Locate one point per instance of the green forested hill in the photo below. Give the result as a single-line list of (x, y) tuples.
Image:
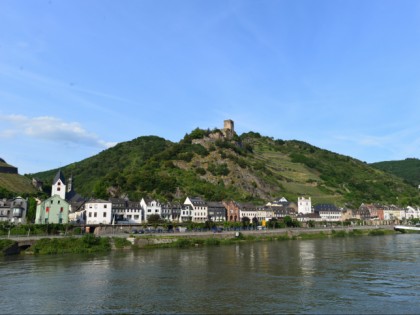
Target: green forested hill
[(408, 169), (249, 167)]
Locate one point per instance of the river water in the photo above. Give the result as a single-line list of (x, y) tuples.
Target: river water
[(358, 275)]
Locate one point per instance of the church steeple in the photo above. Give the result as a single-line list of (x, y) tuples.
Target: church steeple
[(59, 185)]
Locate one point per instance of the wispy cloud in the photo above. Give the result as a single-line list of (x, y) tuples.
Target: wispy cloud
[(64, 90), (51, 129)]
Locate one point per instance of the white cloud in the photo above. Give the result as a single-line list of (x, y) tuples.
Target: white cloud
[(50, 128)]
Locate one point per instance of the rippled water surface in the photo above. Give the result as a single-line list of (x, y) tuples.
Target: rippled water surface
[(359, 275)]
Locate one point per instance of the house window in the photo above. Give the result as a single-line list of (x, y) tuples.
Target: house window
[(47, 209), (61, 209), (95, 214), (58, 188), (105, 206), (104, 214), (90, 214), (136, 217)]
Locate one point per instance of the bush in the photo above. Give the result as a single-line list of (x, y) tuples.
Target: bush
[(4, 244), (200, 171), (212, 241), (377, 232), (219, 169), (183, 243), (339, 233), (120, 242), (89, 243)]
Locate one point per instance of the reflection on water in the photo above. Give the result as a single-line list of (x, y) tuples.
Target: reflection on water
[(345, 275)]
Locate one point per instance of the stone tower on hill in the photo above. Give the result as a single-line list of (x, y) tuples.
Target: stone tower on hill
[(229, 128)]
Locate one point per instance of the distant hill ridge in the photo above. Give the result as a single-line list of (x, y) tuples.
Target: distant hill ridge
[(408, 169), (219, 165)]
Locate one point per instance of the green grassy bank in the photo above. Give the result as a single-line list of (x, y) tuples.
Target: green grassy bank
[(90, 243)]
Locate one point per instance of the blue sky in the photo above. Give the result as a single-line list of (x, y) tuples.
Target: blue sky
[(76, 77)]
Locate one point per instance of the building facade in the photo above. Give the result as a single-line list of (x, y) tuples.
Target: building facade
[(52, 210), (13, 210), (99, 211)]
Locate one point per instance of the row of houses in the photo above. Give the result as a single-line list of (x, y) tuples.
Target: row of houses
[(66, 206), (198, 210)]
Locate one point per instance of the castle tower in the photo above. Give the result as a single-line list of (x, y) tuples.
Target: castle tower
[(229, 129), (229, 125)]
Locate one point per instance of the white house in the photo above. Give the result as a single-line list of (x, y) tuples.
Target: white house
[(98, 212), (186, 213), (247, 210), (412, 213), (150, 206), (199, 212), (134, 212), (328, 212)]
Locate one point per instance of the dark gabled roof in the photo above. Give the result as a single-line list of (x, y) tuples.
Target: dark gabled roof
[(325, 207), (197, 201), (133, 204), (215, 204), (171, 205), (60, 176), (309, 215), (73, 196), (247, 206)]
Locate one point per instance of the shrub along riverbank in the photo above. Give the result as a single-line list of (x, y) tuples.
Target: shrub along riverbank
[(90, 243)]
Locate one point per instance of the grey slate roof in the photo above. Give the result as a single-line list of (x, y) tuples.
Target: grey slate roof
[(325, 207), (60, 176)]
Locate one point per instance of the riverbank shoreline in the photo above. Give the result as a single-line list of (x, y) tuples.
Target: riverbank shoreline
[(90, 243), (202, 239)]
